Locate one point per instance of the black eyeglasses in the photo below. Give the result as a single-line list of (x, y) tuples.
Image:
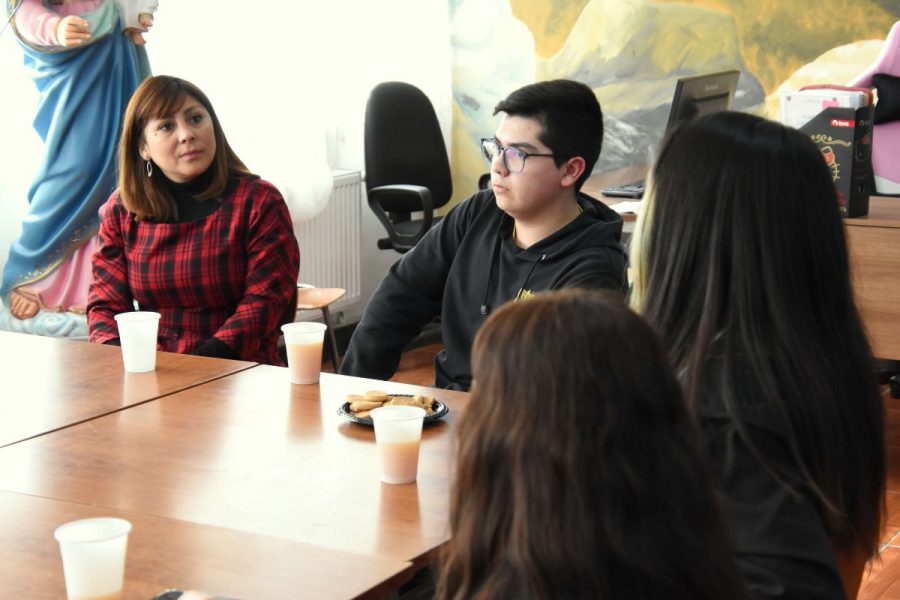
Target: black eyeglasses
[(513, 158)]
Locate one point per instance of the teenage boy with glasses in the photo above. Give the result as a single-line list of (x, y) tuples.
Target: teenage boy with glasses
[(532, 231)]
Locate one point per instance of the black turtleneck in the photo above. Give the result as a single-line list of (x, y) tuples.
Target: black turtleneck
[(187, 207)]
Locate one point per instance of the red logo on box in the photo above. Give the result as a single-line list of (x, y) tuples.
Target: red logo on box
[(841, 123)]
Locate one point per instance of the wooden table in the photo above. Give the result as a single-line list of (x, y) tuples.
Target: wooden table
[(50, 383), (163, 554), (252, 453), (874, 242)]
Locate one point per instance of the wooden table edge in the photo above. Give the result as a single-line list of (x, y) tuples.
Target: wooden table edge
[(249, 366)]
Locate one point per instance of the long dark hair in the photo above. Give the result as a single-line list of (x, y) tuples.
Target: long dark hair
[(159, 96), (579, 473), (742, 268)]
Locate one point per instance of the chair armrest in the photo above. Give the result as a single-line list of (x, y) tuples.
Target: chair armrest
[(424, 196)]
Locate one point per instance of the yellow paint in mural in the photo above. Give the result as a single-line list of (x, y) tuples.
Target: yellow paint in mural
[(778, 37), (468, 163), (790, 43), (550, 21)]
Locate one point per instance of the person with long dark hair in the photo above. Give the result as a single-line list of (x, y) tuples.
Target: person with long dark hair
[(579, 473), (740, 264), (192, 234)]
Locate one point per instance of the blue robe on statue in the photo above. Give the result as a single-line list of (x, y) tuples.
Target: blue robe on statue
[(83, 95)]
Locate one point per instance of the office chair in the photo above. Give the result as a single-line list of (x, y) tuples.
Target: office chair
[(407, 169)]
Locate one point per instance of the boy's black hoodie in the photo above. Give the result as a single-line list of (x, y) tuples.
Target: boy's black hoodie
[(465, 268)]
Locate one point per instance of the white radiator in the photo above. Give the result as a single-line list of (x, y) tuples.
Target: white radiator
[(329, 242)]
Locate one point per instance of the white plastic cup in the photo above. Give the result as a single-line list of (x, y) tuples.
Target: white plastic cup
[(303, 342), (398, 433), (137, 335), (93, 556)]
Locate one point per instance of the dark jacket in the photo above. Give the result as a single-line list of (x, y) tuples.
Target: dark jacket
[(781, 545), (465, 268)]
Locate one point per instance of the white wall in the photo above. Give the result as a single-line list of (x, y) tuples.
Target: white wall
[(289, 80)]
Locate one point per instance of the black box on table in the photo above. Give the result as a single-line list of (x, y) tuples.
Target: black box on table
[(844, 135)]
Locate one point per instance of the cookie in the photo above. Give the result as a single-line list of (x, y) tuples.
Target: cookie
[(363, 405)]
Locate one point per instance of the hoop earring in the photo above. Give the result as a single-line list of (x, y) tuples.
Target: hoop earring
[(149, 169)]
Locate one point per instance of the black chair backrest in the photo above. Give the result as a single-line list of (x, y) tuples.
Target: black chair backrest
[(404, 144)]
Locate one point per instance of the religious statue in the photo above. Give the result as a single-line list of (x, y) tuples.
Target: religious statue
[(86, 57)]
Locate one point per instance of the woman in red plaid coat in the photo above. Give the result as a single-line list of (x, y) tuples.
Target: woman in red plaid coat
[(192, 234)]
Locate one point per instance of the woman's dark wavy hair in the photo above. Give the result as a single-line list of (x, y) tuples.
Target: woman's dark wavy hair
[(148, 197), (743, 271), (579, 473)]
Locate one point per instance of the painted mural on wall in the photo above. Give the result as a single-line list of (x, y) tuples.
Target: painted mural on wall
[(631, 52), (86, 59)]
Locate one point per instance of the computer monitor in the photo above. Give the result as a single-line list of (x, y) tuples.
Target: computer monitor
[(694, 97), (702, 95)]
